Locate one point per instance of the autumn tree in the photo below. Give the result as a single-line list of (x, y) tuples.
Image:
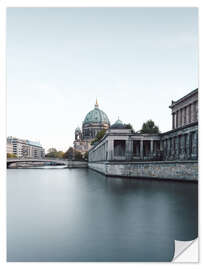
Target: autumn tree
[(53, 153), (69, 154)]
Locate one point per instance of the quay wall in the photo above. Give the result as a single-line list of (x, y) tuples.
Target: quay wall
[(165, 170), (77, 164)]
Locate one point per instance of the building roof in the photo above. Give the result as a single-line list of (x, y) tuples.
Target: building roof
[(33, 143), (118, 125), (173, 103), (96, 116)]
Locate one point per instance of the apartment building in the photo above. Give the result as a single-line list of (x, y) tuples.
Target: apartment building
[(24, 148)]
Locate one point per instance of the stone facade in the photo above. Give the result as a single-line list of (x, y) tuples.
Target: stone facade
[(177, 145), (123, 144), (185, 110), (164, 170), (180, 143)]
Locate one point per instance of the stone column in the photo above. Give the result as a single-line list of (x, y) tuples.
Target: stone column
[(141, 149), (172, 147), (173, 120), (195, 111), (177, 119), (183, 146), (129, 149), (192, 112), (181, 154), (184, 115), (189, 145), (187, 115), (169, 147), (180, 118), (177, 147), (110, 150), (196, 145), (187, 155), (166, 148), (151, 148)]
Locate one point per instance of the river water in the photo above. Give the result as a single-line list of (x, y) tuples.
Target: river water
[(81, 215)]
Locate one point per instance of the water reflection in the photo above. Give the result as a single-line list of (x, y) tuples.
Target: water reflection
[(80, 215)]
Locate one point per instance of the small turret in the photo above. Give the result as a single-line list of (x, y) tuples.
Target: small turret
[(78, 134)]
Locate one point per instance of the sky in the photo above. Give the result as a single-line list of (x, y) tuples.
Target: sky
[(135, 61)]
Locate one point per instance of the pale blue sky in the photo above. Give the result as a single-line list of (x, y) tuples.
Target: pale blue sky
[(134, 60)]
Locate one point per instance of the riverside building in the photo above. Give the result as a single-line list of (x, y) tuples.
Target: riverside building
[(176, 150), (24, 148)]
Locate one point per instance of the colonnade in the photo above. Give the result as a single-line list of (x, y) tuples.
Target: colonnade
[(185, 115), (181, 146), (128, 149)]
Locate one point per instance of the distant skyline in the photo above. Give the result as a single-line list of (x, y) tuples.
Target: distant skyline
[(59, 60)]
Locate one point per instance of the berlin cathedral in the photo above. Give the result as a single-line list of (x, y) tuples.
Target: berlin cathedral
[(95, 121)]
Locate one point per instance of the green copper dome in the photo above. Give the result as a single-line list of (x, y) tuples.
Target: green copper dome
[(118, 124), (96, 116)]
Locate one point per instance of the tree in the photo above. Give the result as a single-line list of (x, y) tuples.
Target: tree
[(86, 156), (72, 154), (60, 154), (9, 155), (69, 154), (150, 127), (99, 136), (128, 126), (52, 150), (53, 153), (78, 155)]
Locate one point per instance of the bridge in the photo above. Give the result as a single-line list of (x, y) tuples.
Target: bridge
[(51, 161), (32, 160)]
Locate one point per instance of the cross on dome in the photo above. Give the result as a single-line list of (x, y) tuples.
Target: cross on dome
[(96, 104)]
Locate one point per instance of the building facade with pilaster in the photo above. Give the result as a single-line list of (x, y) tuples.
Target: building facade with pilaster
[(181, 143)]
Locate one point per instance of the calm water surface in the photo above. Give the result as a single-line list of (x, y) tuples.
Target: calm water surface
[(80, 215)]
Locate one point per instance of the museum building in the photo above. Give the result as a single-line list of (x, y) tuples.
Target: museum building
[(180, 143)]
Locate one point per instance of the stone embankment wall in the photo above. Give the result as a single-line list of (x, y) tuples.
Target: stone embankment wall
[(173, 170), (77, 164)]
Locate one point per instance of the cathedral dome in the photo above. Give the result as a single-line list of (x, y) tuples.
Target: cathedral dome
[(96, 116)]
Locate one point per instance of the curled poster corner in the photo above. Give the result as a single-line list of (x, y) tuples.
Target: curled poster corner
[(186, 251)]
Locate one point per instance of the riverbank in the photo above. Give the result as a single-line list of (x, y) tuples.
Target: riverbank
[(165, 170)]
